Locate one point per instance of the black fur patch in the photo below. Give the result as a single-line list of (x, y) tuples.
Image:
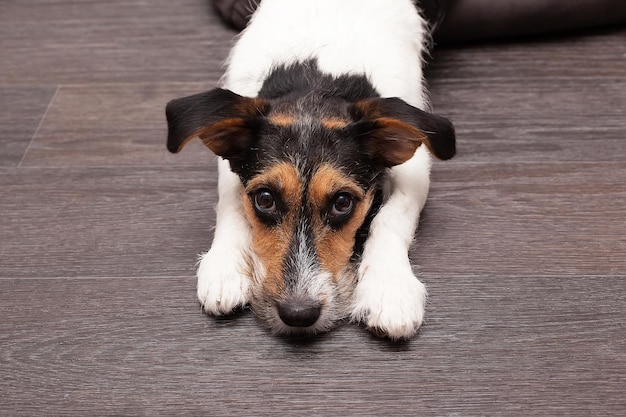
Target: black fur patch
[(304, 91), (298, 79)]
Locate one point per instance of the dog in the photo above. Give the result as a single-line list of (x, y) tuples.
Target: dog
[(324, 136)]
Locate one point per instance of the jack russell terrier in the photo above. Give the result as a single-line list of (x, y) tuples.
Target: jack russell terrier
[(325, 141)]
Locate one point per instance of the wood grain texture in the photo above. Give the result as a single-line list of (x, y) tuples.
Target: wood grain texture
[(521, 244), (113, 124), (529, 218), (105, 222), (55, 42), (21, 112), (491, 346), (532, 120)]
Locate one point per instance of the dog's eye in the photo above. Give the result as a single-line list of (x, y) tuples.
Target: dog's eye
[(264, 201), (343, 204)]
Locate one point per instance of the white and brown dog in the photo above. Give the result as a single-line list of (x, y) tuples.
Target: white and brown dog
[(318, 124)]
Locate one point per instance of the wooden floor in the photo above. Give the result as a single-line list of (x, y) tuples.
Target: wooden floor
[(522, 244)]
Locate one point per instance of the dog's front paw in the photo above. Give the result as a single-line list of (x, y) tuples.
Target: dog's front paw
[(389, 301), (222, 283)]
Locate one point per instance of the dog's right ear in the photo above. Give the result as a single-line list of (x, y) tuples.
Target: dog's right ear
[(223, 120)]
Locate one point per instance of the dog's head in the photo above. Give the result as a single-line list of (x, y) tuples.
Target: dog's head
[(311, 169)]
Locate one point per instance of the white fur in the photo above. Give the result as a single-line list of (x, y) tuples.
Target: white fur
[(380, 38), (223, 281), (388, 297), (384, 40)]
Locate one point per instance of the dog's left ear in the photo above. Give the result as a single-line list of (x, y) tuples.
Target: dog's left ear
[(223, 120), (391, 130)]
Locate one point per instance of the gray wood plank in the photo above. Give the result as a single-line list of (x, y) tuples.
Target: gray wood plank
[(105, 222), (570, 55), (56, 42), (492, 345), (529, 120), (21, 112), (112, 125), (524, 218)]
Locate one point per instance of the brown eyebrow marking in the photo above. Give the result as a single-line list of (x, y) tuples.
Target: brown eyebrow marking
[(285, 119), (327, 181), (334, 123), (281, 119)]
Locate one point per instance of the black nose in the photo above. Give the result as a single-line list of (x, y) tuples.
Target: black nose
[(299, 312)]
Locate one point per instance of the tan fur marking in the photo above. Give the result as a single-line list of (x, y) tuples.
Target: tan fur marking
[(185, 142), (395, 141), (395, 124), (271, 243), (335, 247), (250, 107), (369, 108), (215, 137), (334, 123), (282, 119)]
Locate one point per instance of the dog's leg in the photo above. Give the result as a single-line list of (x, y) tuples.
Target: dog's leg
[(389, 299), (223, 281)]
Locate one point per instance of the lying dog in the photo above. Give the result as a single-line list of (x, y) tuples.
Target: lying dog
[(322, 175)]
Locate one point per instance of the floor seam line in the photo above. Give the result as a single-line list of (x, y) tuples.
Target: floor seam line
[(41, 122)]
